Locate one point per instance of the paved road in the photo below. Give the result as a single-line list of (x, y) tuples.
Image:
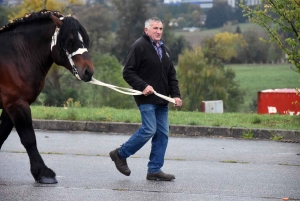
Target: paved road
[(206, 169)]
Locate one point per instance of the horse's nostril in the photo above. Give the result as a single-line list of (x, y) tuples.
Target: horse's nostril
[(88, 74)]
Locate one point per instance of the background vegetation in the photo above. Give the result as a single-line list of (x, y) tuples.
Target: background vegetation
[(280, 19)]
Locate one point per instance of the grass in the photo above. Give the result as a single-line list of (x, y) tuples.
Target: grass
[(230, 120), (248, 134), (254, 78), (276, 137)]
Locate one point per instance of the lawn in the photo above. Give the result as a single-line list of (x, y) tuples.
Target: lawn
[(106, 114), (254, 78)]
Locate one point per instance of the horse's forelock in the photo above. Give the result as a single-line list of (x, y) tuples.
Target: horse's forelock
[(86, 39)]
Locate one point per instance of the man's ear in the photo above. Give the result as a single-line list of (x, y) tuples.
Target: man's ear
[(57, 21), (145, 30)]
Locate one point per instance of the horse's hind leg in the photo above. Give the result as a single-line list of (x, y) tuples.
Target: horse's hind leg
[(21, 117), (5, 126)]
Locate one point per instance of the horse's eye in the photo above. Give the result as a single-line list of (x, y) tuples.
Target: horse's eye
[(70, 43)]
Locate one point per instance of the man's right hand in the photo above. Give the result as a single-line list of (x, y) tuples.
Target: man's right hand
[(148, 90)]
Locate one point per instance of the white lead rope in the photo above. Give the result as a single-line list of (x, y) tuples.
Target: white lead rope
[(128, 91)]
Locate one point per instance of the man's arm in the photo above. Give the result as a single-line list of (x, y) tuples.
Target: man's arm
[(131, 67)]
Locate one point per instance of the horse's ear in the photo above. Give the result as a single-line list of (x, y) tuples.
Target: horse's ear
[(56, 20)]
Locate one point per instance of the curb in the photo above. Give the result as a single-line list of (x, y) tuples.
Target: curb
[(175, 130)]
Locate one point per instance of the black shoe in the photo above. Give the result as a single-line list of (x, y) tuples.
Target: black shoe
[(161, 176), (120, 163)]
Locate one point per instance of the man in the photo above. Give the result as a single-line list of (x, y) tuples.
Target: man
[(147, 68)]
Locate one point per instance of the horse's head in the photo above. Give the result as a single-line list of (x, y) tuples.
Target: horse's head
[(69, 47)]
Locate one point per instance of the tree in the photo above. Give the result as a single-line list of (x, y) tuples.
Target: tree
[(132, 16), (176, 44), (228, 45), (107, 70), (256, 50), (216, 53), (238, 29), (29, 6), (97, 20), (238, 11), (185, 14), (281, 19), (223, 47), (218, 15), (200, 79), (3, 16), (60, 85)]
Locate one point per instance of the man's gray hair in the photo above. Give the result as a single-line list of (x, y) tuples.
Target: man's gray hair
[(152, 19)]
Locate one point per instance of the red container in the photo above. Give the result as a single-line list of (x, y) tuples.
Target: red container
[(280, 101)]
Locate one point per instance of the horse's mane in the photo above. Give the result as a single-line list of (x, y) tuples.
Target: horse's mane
[(35, 16), (70, 26)]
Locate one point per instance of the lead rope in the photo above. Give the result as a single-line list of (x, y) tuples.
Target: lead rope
[(128, 91)]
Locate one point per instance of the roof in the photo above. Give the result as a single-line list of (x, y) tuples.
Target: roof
[(285, 90)]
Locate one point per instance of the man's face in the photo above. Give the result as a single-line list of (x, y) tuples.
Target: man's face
[(155, 31)]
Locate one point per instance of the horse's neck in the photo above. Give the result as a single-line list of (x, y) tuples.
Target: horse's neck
[(35, 44)]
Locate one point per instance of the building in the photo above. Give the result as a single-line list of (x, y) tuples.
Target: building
[(201, 3), (248, 2), (10, 2), (209, 3)]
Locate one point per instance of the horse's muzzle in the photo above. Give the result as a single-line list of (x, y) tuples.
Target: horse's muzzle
[(87, 75)]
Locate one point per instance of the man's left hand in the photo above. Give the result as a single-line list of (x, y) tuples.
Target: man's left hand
[(178, 102)]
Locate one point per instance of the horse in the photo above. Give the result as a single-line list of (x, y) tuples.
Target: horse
[(29, 47)]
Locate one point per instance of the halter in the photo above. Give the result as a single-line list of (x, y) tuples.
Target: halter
[(79, 51)]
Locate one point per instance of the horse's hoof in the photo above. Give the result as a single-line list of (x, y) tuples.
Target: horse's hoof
[(47, 180)]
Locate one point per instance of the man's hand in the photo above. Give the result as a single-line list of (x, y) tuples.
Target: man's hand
[(148, 90), (178, 102)]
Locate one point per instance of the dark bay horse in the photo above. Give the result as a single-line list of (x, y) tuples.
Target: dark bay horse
[(28, 48)]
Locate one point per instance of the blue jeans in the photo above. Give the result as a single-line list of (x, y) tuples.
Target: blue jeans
[(155, 125)]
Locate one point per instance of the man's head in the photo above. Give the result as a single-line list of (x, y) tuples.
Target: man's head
[(154, 29)]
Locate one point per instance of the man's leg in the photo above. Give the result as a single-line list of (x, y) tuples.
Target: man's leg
[(159, 146), (145, 132), (137, 140)]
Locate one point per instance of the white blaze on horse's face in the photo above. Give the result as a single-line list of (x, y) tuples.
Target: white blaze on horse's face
[(78, 51)]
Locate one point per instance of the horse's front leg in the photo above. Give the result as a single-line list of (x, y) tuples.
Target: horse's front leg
[(6, 126), (21, 117)]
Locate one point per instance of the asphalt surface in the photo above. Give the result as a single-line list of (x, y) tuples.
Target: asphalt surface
[(213, 169)]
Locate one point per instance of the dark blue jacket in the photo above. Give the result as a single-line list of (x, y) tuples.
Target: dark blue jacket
[(143, 67)]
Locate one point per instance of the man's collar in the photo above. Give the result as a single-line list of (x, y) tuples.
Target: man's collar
[(159, 42)]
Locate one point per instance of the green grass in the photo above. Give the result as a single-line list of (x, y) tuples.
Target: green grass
[(175, 117), (248, 134), (230, 120), (254, 78)]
